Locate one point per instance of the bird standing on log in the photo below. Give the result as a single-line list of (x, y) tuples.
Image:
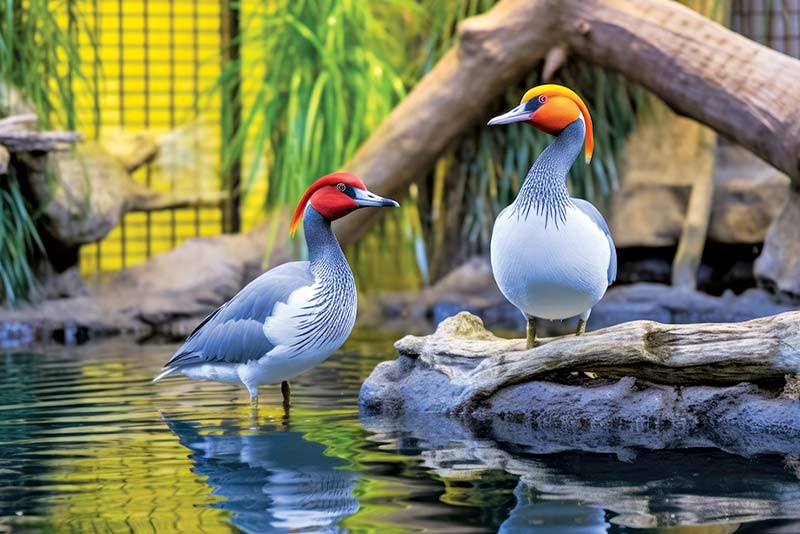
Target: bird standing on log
[(292, 317), (552, 255)]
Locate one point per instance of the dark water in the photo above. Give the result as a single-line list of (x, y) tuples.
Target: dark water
[(88, 444)]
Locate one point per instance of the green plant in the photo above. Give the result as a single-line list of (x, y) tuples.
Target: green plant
[(39, 60), (19, 241), (323, 74), (40, 56)]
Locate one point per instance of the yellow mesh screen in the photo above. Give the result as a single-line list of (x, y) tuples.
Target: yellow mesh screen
[(159, 63)]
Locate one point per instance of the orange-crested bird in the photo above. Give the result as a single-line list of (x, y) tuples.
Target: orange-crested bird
[(552, 255)]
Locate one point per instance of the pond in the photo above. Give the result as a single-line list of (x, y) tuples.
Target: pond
[(88, 444)]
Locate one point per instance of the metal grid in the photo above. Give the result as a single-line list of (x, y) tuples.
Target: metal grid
[(159, 62), (775, 23)]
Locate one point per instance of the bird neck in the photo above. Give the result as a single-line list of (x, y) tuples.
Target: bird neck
[(324, 252), (545, 187)]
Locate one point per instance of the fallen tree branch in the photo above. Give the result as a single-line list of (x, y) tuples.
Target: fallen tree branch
[(157, 202), (18, 134), (743, 90)]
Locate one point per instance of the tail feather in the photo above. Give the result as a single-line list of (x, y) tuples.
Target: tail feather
[(165, 373)]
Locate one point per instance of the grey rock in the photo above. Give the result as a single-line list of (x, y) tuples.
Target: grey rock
[(472, 288), (177, 287)]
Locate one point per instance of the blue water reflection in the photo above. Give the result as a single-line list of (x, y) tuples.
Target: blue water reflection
[(272, 480)]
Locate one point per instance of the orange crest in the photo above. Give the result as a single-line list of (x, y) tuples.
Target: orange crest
[(556, 113)]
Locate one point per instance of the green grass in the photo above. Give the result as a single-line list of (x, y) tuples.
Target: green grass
[(19, 241)]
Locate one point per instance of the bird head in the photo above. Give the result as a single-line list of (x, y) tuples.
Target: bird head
[(335, 195), (551, 108)]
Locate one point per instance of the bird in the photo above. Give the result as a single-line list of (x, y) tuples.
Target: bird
[(291, 317), (552, 255)]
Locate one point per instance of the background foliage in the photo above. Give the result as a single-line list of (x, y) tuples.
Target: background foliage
[(331, 70)]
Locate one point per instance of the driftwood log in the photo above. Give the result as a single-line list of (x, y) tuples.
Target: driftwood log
[(641, 379)]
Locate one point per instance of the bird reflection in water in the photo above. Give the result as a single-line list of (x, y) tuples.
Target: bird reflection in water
[(272, 480), (531, 515)]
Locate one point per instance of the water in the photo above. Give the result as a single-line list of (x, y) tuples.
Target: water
[(88, 444)]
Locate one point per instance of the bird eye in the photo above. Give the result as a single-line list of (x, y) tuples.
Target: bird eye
[(542, 99), (341, 187)]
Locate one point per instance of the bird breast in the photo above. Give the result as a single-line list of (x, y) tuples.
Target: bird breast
[(547, 268)]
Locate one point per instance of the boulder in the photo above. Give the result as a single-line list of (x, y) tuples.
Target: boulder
[(82, 193), (648, 208), (166, 295), (658, 166), (748, 196), (778, 266), (639, 384)]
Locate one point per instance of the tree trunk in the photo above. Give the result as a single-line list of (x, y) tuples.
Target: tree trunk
[(741, 89), (697, 218)]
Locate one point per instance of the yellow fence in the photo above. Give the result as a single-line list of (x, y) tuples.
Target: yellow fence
[(159, 63)]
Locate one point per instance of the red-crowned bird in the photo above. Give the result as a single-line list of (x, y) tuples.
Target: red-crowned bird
[(292, 317), (552, 255)]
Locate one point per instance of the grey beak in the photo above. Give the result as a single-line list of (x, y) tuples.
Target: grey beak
[(368, 199), (518, 114)]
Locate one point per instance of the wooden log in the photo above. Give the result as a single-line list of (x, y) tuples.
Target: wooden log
[(152, 201), (741, 89), (34, 141), (712, 353)]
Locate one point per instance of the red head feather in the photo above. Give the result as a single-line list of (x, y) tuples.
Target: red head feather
[(326, 183)]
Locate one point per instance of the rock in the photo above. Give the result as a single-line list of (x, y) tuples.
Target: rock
[(132, 149), (778, 266), (647, 209), (673, 384), (748, 196), (178, 287), (82, 193), (657, 166), (472, 288)]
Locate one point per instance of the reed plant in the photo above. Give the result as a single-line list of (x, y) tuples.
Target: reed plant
[(40, 61)]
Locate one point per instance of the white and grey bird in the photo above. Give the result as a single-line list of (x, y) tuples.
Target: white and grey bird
[(292, 317), (552, 255)]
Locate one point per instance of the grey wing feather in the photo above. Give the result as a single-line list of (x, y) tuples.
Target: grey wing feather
[(596, 217), (234, 333)]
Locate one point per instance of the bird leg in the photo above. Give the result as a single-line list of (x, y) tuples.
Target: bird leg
[(286, 392), (582, 322), (530, 331), (253, 409), (581, 327)]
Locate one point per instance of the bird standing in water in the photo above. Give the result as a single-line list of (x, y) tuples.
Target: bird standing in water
[(292, 317), (552, 255)]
